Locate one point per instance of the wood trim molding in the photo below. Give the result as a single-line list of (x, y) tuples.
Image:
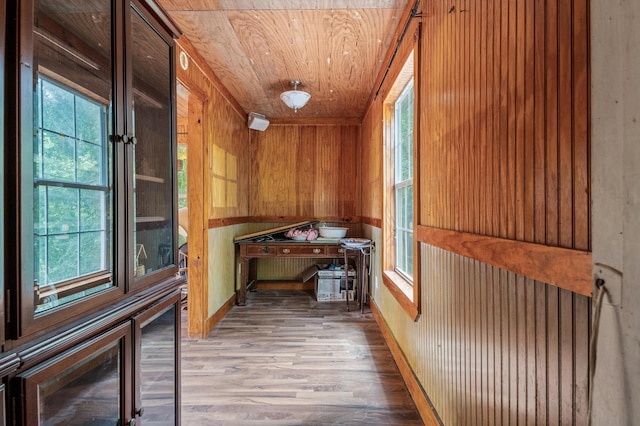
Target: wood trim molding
[(565, 268), (310, 121), (213, 320), (184, 44), (228, 221), (394, 287), (372, 221), (389, 55), (425, 408)]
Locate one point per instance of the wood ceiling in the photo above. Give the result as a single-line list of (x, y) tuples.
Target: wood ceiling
[(256, 47)]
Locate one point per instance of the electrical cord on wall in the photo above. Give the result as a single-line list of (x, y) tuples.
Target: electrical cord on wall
[(600, 291)]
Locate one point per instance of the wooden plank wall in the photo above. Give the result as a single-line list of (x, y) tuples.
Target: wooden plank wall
[(372, 163), (504, 147), (504, 154), (306, 171), (503, 349), (217, 150)]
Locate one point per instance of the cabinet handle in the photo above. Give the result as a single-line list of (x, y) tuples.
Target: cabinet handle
[(316, 250), (340, 250), (131, 422), (265, 249), (286, 251), (124, 139)]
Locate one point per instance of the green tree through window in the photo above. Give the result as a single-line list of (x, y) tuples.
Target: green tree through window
[(70, 184)]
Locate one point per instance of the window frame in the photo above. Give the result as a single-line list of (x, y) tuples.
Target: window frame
[(400, 183), (404, 289)]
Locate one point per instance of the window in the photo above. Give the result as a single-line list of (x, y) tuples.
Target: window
[(403, 184), (70, 192), (399, 248)]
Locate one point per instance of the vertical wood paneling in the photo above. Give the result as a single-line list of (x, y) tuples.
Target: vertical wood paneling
[(551, 118), (371, 164), (504, 120), (494, 335), (504, 152), (581, 165), (565, 139), (305, 170)]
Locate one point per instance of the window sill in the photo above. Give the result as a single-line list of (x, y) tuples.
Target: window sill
[(402, 291)]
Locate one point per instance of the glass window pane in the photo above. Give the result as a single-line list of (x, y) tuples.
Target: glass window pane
[(409, 211), (89, 163), (62, 258), (89, 121), (91, 252), (92, 210), (62, 210), (58, 156), (58, 110)]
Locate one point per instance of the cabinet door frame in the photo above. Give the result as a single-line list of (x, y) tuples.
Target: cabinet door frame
[(139, 321), (3, 11), (160, 27), (23, 320), (28, 383)]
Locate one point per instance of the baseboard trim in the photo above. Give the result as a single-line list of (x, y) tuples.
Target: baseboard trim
[(284, 285), (425, 408), (213, 320)]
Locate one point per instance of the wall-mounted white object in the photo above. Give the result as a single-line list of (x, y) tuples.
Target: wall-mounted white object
[(257, 121)]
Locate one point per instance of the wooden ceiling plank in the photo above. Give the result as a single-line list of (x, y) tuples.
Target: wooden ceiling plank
[(255, 47)]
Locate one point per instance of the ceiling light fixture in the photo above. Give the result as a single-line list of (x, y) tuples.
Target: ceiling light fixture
[(295, 99)]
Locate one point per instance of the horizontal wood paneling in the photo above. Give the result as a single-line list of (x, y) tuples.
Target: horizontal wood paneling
[(305, 171), (504, 149), (565, 268)]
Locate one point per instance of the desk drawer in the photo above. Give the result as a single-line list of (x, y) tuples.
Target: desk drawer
[(335, 251), (258, 250), (301, 250)]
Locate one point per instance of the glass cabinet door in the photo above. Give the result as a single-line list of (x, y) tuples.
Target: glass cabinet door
[(82, 386), (157, 354), (152, 126), (67, 155)]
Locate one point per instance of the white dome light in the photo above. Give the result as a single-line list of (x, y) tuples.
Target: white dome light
[(295, 99)]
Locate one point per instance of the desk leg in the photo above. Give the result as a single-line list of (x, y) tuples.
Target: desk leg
[(346, 278), (361, 280), (241, 294)]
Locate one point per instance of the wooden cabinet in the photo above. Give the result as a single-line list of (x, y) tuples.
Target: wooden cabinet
[(128, 372), (90, 211), (96, 133)]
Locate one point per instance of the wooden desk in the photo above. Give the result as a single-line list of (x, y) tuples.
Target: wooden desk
[(248, 252)]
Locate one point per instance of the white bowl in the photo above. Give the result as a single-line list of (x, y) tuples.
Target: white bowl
[(332, 232)]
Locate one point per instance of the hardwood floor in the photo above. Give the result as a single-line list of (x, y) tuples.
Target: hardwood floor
[(285, 359)]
